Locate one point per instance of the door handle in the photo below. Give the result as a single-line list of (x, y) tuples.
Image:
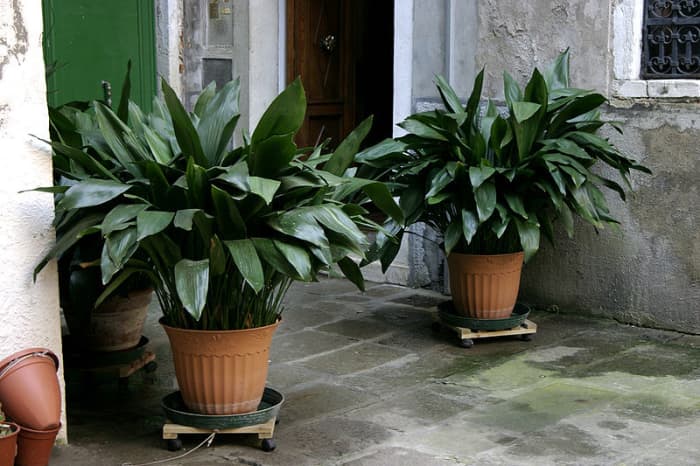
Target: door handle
[(328, 43), (107, 93)]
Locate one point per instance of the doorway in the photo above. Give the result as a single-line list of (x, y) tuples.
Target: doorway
[(343, 50)]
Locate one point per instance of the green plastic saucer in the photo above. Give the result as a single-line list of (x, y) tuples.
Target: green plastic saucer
[(448, 316), (177, 412)]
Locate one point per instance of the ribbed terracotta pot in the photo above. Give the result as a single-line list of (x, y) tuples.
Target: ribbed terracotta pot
[(485, 286), (29, 390), (8, 446), (118, 323), (34, 446), (221, 372)]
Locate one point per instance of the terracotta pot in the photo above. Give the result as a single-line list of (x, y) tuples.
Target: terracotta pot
[(221, 372), (34, 446), (118, 323), (29, 390), (485, 286), (8, 446)]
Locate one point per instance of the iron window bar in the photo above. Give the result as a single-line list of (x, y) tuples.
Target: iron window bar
[(671, 39)]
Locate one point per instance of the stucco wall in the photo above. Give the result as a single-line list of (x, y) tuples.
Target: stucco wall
[(30, 310), (648, 273)]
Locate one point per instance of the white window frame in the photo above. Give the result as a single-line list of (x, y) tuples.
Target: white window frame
[(628, 16)]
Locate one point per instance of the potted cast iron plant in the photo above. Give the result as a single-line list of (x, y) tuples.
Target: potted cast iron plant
[(8, 440), (493, 180), (220, 231), (118, 322)]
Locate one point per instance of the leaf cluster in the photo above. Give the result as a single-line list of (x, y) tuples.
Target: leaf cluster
[(219, 230), (493, 180)]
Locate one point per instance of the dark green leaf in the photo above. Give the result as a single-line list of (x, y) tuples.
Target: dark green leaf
[(270, 156), (67, 239), (237, 176), (283, 117), (151, 222), (511, 89), (119, 217), (414, 126), (352, 272), (438, 182), (479, 174), (452, 235), (227, 216), (557, 74), (270, 254), (121, 245), (297, 257), (470, 225), (382, 198), (523, 111), (344, 155), (123, 109), (448, 95), (204, 98), (185, 132), (263, 187), (301, 224), (247, 262), (192, 285), (91, 192), (529, 232), (218, 120), (485, 197), (515, 202)]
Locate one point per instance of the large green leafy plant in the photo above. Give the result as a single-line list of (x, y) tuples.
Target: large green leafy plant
[(493, 180), (74, 129), (221, 232)]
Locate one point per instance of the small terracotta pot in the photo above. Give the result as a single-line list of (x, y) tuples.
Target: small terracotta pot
[(29, 390), (485, 286), (221, 372), (118, 323), (34, 446), (8, 446)]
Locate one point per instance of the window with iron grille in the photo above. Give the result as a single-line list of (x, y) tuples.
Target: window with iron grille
[(671, 39)]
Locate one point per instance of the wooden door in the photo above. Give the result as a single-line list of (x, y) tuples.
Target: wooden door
[(320, 50), (91, 41)]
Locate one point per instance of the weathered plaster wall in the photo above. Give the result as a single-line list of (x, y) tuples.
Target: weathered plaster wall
[(516, 35), (648, 273), (30, 311)]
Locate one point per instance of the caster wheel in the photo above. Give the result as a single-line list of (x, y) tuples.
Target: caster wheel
[(466, 343), (150, 367), (268, 444), (436, 327), (174, 444), (526, 337), (277, 421)]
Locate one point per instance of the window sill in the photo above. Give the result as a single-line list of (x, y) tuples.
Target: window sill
[(656, 89)]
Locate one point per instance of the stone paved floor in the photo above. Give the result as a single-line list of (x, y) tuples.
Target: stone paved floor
[(368, 383)]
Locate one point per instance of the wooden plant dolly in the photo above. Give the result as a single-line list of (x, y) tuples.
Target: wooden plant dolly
[(469, 329), (265, 432), (120, 364), (179, 420)]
